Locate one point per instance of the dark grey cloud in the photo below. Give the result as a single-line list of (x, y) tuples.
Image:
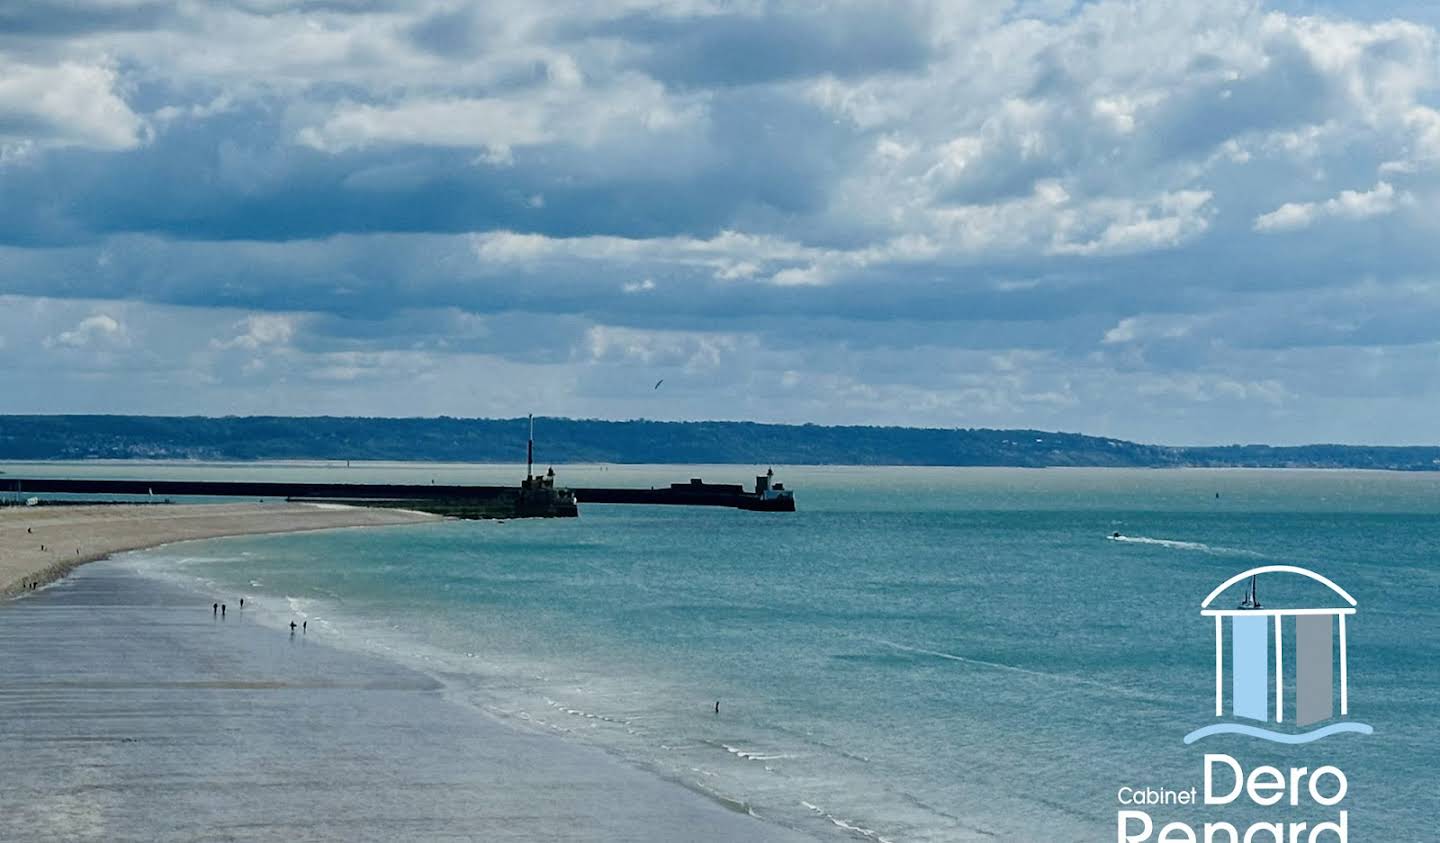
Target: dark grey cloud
[(1289, 91), (453, 33), (777, 44), (238, 175), (22, 19)]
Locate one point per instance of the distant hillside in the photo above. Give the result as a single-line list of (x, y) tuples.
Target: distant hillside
[(588, 440)]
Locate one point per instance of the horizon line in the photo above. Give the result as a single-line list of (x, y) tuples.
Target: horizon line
[(759, 423)]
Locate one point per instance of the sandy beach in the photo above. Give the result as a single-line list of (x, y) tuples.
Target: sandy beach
[(43, 543), (129, 711)]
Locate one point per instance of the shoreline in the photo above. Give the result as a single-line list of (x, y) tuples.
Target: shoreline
[(263, 611), (40, 544), (107, 533), (152, 719)]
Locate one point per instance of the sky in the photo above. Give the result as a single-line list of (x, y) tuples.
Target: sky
[(1175, 222)]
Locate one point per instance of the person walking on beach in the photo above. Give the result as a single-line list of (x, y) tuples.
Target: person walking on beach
[(242, 602), (304, 627), (222, 610), (717, 706), (292, 629), (214, 608)]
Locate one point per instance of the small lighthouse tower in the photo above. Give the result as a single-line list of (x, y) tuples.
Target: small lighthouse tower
[(538, 495)]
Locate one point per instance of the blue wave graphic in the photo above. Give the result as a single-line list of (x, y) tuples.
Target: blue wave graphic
[(1277, 737)]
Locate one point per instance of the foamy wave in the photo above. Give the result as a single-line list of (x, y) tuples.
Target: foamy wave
[(590, 715), (1184, 545), (868, 833), (752, 755), (299, 605)]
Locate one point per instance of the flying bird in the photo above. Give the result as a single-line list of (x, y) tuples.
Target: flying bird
[(657, 383)]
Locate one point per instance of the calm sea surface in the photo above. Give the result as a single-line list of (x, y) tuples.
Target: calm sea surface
[(917, 654)]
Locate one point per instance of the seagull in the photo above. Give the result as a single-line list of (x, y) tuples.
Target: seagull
[(657, 383)]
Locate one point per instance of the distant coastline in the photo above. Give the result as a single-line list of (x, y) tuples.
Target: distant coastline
[(445, 439)]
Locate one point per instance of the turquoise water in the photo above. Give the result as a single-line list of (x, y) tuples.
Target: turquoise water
[(917, 654)]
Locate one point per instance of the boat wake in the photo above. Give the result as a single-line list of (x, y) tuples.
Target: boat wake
[(1277, 737), (1184, 545), (1038, 674)]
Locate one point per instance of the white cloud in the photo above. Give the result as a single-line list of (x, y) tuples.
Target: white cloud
[(94, 331), (727, 256), (739, 269), (500, 125), (352, 366), (510, 247), (1131, 227), (1124, 331), (492, 124), (1051, 222), (64, 104), (260, 331), (1350, 205), (1133, 328), (689, 351), (1208, 388), (806, 276)]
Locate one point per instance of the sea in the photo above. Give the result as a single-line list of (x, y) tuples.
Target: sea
[(916, 654)]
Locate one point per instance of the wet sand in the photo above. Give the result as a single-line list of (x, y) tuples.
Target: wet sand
[(74, 535), (129, 712)]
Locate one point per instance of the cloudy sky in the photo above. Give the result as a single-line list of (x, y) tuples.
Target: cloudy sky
[(1180, 222)]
